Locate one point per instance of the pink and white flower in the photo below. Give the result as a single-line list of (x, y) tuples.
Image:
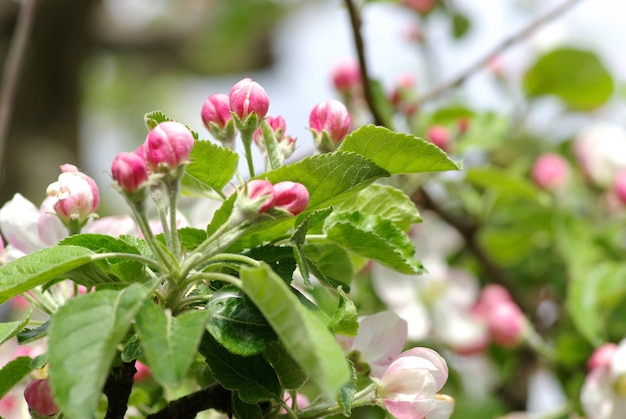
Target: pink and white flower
[(409, 387), (76, 195), (603, 394)]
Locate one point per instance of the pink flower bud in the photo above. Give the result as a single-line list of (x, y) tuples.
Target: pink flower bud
[(403, 96), (129, 171), (168, 144), (248, 97), (463, 124), (550, 171), (38, 395), (602, 356), (291, 196), (216, 110), (490, 296), (409, 386), (619, 186), (421, 6), (439, 136), (347, 76), (261, 194), (143, 372), (278, 125), (506, 323), (76, 195), (329, 119), (287, 145)]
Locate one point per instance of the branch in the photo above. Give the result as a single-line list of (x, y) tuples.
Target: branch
[(355, 22), (12, 68), (499, 49), (117, 389), (212, 397)]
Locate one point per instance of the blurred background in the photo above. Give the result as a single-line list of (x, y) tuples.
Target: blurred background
[(94, 67)]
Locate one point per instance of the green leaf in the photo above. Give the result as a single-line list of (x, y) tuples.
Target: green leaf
[(10, 329), (82, 340), (243, 410), (374, 238), (37, 268), (191, 237), (591, 297), (348, 391), (304, 336), (329, 177), (573, 75), (117, 269), (460, 25), (154, 118), (298, 238), (397, 153), (279, 258), (385, 201), (291, 376), (330, 263), (237, 324), (346, 318), (13, 372), (169, 343), (252, 377), (503, 183), (30, 335), (212, 166)]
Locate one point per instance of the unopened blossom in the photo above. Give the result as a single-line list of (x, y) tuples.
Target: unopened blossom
[(506, 324), (278, 125), (421, 6), (287, 145), (217, 118), (38, 395), (247, 97), (409, 386), (346, 77), (168, 145), (291, 196), (27, 228), (142, 372), (76, 195), (129, 171), (602, 356), (603, 395), (601, 152), (330, 123), (302, 401), (439, 136), (550, 171), (403, 96)]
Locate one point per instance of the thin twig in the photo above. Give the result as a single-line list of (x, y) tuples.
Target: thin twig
[(187, 407), (355, 22), (12, 68), (499, 49)]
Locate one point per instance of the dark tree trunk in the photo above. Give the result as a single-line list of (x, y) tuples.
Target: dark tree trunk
[(44, 126)]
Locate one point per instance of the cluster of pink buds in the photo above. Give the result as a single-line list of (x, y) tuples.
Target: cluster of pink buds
[(167, 147), (346, 78), (550, 171), (505, 321), (286, 143), (403, 97), (329, 121), (38, 395), (76, 194)]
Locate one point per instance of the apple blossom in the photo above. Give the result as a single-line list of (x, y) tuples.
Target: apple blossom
[(169, 145), (423, 7), (619, 186), (76, 195), (291, 196), (403, 97), (247, 97), (129, 171), (603, 395), (409, 386), (38, 395), (602, 356), (506, 324), (550, 171), (601, 152), (330, 123), (278, 125)]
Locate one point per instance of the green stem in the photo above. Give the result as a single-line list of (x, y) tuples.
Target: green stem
[(274, 156), (172, 189), (159, 200), (144, 226), (365, 397), (132, 256)]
